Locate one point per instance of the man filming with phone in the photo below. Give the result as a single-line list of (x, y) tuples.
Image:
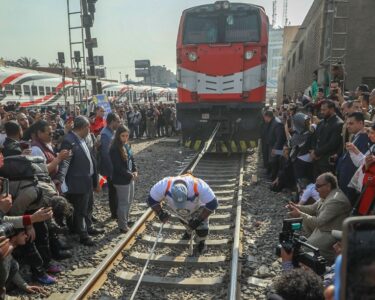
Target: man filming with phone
[(320, 218)]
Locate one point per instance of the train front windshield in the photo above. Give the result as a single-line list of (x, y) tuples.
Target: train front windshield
[(222, 27)]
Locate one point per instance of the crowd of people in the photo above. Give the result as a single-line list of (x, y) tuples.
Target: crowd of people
[(52, 161), (320, 148)]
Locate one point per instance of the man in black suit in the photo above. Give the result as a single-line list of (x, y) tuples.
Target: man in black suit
[(274, 141), (359, 142), (327, 140), (79, 175), (12, 144)]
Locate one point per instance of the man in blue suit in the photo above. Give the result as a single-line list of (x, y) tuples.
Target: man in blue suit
[(106, 136), (78, 175), (345, 167)]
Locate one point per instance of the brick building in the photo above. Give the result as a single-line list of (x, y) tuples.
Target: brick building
[(332, 32)]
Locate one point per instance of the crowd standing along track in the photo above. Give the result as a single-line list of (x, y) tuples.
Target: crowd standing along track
[(172, 269)]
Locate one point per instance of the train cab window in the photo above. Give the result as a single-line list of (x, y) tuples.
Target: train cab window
[(9, 89), (54, 90), (26, 90), (18, 89), (48, 90), (34, 90), (222, 27), (242, 27), (41, 90)]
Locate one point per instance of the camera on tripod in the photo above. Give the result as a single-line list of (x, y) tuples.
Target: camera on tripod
[(290, 240)]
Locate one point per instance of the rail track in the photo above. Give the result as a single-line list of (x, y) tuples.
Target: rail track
[(172, 266)]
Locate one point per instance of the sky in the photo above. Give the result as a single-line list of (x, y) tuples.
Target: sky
[(125, 30)]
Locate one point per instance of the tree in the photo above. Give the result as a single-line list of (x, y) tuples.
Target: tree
[(26, 62), (54, 65)]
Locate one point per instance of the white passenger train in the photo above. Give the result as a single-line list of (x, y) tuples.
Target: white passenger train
[(34, 88)]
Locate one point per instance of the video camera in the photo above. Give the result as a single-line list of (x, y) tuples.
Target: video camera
[(291, 240)]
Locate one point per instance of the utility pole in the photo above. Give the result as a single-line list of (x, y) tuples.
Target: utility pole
[(274, 13), (87, 20), (285, 13)]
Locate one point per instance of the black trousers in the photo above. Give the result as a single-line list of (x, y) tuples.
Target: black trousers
[(80, 204), (112, 197)]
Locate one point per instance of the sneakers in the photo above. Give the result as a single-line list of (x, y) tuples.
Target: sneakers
[(46, 279), (186, 236), (200, 248), (54, 269)]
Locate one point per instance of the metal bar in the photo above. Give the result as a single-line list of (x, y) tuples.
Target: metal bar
[(75, 27), (147, 262), (236, 241)]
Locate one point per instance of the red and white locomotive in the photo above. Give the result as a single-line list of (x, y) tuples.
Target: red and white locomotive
[(222, 70)]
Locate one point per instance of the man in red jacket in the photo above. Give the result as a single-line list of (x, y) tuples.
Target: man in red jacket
[(99, 122)]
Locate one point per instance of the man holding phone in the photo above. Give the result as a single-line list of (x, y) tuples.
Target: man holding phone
[(320, 218)]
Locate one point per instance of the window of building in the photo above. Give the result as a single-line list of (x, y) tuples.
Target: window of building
[(288, 65), (300, 52), (294, 60), (26, 90), (41, 91)]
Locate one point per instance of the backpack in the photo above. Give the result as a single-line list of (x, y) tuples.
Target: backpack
[(20, 167)]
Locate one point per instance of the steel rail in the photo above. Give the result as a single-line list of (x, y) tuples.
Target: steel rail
[(236, 241), (97, 278)]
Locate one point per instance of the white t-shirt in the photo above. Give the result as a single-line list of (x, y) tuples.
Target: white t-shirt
[(205, 196)]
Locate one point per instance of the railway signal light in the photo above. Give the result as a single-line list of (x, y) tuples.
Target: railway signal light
[(77, 56), (61, 57)]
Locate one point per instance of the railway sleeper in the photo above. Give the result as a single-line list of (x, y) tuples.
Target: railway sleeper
[(224, 228), (166, 260), (172, 282), (174, 242)]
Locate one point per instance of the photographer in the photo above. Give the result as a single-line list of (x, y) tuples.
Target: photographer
[(320, 218), (298, 284)]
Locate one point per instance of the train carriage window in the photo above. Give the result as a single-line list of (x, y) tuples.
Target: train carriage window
[(41, 91), (34, 90), (9, 89), (26, 90), (54, 90), (48, 90), (18, 89)]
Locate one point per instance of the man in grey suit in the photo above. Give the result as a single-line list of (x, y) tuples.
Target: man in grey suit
[(79, 176), (320, 218)]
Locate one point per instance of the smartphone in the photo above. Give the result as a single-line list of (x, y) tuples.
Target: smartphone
[(357, 269), (4, 186)]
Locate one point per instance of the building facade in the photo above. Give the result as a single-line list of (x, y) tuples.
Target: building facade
[(275, 47), (333, 32)]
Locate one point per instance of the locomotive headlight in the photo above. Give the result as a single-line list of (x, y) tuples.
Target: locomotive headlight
[(192, 56), (249, 55), (226, 5)]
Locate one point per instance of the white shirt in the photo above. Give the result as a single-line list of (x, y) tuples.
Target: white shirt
[(205, 196)]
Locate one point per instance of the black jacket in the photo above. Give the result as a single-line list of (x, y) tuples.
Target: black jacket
[(275, 134), (11, 147), (121, 174), (328, 137)]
